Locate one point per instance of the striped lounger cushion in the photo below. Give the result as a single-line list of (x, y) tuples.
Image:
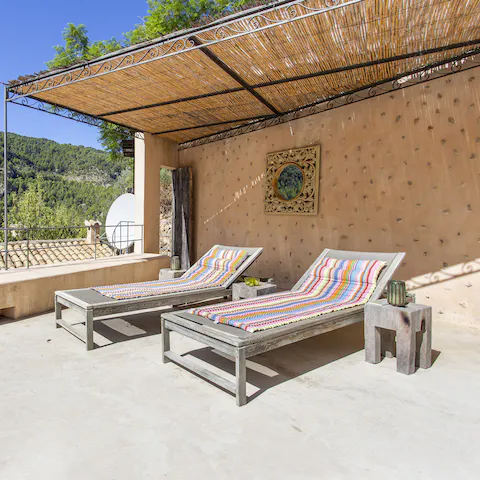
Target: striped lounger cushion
[(212, 270), (332, 285)]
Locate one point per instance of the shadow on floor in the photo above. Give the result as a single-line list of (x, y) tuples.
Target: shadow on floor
[(122, 329), (293, 361), (275, 367), (130, 327)]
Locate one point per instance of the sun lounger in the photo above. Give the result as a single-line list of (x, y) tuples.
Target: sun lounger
[(201, 282), (241, 344)]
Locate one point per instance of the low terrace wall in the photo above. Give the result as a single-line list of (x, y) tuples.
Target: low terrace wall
[(30, 292)]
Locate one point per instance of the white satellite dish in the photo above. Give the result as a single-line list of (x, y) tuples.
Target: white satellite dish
[(120, 222)]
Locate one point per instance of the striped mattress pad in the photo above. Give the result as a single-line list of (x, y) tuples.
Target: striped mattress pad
[(215, 268), (332, 285)]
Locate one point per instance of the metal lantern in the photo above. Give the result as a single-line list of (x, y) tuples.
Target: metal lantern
[(396, 293), (175, 263)]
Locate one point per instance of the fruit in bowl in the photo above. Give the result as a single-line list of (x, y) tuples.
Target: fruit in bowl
[(252, 282)]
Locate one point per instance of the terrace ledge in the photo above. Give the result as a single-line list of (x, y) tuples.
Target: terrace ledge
[(30, 292)]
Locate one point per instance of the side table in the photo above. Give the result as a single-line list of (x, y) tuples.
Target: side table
[(242, 290), (412, 326), (169, 274)]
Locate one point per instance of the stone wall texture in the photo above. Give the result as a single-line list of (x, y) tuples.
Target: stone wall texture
[(399, 172)]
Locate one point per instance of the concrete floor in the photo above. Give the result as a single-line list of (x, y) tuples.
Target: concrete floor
[(318, 410)]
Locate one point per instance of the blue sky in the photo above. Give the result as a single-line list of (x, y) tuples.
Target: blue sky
[(26, 40)]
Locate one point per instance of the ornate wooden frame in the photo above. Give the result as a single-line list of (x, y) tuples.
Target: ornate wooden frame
[(306, 202)]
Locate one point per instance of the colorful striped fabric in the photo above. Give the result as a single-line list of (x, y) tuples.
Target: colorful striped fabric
[(212, 270), (332, 285)]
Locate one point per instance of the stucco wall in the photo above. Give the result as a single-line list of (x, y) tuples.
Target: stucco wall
[(399, 172), (151, 154)]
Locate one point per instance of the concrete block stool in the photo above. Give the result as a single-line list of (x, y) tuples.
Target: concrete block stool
[(412, 326), (169, 274), (242, 290)]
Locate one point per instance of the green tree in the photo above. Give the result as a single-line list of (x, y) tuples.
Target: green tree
[(163, 17), (111, 136), (75, 49), (78, 47), (29, 209), (167, 16)]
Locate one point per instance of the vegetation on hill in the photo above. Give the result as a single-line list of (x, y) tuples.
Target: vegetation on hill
[(52, 184)]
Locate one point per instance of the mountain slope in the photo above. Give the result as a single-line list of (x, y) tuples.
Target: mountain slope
[(83, 180)]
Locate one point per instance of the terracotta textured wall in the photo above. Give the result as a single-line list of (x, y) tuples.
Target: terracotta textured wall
[(399, 172)]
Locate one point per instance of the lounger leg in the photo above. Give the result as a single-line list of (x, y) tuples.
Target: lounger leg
[(165, 340), (58, 313), (241, 377), (89, 327)]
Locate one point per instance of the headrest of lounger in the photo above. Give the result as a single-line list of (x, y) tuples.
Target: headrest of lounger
[(351, 271), (223, 259)]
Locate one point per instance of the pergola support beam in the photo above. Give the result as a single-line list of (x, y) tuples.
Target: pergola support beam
[(233, 74), (5, 176)]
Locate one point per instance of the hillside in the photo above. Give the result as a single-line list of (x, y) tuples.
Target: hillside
[(53, 184)]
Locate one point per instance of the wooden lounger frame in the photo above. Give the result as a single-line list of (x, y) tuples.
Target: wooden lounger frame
[(91, 311), (241, 345)]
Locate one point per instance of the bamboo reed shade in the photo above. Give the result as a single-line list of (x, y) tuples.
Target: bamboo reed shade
[(168, 79), (220, 108), (287, 96), (254, 75)]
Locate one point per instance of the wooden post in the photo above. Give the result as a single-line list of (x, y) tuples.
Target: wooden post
[(241, 377), (89, 327), (165, 340), (58, 312)]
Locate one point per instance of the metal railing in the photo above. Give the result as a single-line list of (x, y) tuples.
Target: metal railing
[(26, 247)]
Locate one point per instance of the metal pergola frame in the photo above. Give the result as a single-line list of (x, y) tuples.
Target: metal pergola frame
[(255, 20), (200, 38)]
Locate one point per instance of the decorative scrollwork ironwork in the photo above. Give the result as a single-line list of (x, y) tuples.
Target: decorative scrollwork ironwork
[(396, 84), (67, 113), (254, 24), (291, 12), (456, 67), (331, 3)]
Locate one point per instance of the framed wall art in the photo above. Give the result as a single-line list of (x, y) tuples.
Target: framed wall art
[(292, 181)]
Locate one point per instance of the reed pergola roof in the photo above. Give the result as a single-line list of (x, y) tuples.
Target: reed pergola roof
[(259, 64)]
